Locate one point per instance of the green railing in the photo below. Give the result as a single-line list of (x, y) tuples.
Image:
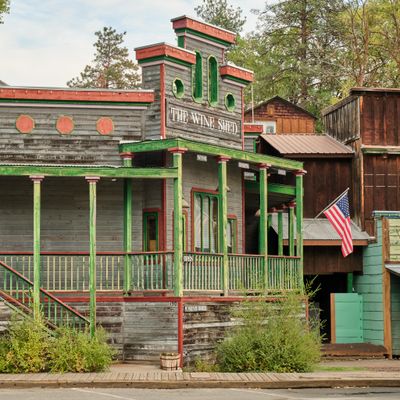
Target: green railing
[(245, 271), (284, 273), (17, 290), (202, 271), (152, 270)]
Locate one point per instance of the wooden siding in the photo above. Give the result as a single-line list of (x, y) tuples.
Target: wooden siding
[(45, 144), (381, 186), (329, 259), (288, 118), (369, 284), (380, 119), (343, 123), (394, 240)]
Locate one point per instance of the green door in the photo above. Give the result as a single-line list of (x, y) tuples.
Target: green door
[(346, 318)]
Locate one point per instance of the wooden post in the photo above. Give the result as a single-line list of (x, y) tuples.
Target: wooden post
[(299, 219), (127, 160), (350, 282), (37, 181), (92, 252), (292, 205), (223, 219), (178, 228), (280, 231), (263, 234)]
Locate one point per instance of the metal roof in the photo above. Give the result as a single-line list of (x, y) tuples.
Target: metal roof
[(393, 268), (307, 145), (319, 229)]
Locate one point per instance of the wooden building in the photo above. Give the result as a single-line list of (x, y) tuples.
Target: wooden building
[(127, 208)]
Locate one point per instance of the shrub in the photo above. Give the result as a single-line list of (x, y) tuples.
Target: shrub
[(271, 337)]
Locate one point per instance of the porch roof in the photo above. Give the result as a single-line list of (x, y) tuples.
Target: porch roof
[(209, 149)]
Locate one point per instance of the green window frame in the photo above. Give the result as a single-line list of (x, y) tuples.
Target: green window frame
[(197, 78), (205, 222), (178, 88), (151, 232), (231, 235), (213, 87), (230, 102)]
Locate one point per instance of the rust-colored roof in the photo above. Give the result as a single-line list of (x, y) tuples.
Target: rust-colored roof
[(307, 145)]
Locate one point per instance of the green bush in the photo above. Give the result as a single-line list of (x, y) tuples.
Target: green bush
[(30, 347), (272, 336)]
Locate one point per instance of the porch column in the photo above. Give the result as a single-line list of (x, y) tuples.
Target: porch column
[(280, 231), (127, 161), (223, 219), (92, 180), (299, 216), (263, 234), (37, 181), (291, 228), (178, 228)]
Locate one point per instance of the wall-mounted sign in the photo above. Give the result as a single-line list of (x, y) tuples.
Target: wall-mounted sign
[(394, 239), (202, 121)]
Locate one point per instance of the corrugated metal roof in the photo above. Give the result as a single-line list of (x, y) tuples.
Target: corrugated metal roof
[(308, 145), (318, 229), (60, 165)]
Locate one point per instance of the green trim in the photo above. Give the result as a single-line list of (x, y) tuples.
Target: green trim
[(92, 256), (212, 85), (165, 58), (102, 103), (280, 233), (128, 197), (299, 223), (178, 88), (234, 79), (263, 228), (181, 42), (291, 231), (82, 171), (197, 78), (233, 223), (230, 102), (350, 282), (147, 214), (380, 150), (209, 149), (203, 35), (178, 248), (278, 188), (36, 248)]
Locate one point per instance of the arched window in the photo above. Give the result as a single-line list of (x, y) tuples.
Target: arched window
[(198, 78), (212, 81)]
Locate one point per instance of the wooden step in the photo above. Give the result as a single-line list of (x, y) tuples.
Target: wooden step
[(353, 350)]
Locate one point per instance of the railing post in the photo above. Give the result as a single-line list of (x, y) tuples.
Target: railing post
[(299, 219), (223, 219), (178, 228), (280, 231), (291, 228), (263, 234), (37, 181), (92, 180), (127, 161)]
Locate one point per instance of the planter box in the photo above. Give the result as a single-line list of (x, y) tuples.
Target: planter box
[(169, 361)]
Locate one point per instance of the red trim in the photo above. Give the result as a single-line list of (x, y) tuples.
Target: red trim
[(127, 155), (81, 253), (164, 207), (236, 72), (165, 50), (180, 331), (162, 101), (76, 95), (223, 158), (252, 128), (300, 172), (180, 150), (242, 122), (264, 166), (202, 27), (243, 215)]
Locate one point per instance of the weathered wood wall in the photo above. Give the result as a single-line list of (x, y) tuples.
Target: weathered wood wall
[(84, 145), (288, 118)]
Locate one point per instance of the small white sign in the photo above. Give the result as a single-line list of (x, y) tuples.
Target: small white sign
[(193, 308), (250, 176), (243, 165), (282, 172), (201, 157)]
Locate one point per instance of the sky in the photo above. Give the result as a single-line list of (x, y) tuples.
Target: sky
[(47, 42)]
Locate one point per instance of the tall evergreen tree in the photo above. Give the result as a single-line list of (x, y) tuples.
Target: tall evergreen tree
[(4, 8), (220, 13), (111, 67)]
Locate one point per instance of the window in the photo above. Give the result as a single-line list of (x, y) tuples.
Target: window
[(212, 81), (269, 126), (150, 231), (205, 222), (231, 235), (230, 102), (178, 88), (198, 78)]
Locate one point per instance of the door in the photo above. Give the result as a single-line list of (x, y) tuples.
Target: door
[(346, 318)]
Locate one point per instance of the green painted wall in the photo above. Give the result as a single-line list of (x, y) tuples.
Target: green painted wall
[(395, 313), (370, 286)]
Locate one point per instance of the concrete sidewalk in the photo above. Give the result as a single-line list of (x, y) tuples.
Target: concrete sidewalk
[(377, 373)]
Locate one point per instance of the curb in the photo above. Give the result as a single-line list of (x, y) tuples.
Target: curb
[(198, 384)]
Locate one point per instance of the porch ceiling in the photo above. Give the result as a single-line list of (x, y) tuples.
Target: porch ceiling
[(208, 149)]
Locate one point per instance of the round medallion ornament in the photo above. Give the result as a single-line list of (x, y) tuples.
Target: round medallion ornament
[(105, 126), (25, 124), (65, 125)]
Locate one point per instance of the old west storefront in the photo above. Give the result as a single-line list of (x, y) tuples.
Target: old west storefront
[(129, 206)]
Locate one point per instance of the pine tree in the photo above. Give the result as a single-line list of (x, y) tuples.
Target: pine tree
[(4, 8), (111, 67)]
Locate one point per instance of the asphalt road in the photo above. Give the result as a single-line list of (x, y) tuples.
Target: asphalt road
[(199, 394)]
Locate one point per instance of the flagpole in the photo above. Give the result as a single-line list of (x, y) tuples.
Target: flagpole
[(333, 202)]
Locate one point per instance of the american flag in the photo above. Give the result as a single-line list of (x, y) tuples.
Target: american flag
[(339, 216)]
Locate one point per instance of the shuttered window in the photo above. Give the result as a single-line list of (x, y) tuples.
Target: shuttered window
[(212, 81)]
